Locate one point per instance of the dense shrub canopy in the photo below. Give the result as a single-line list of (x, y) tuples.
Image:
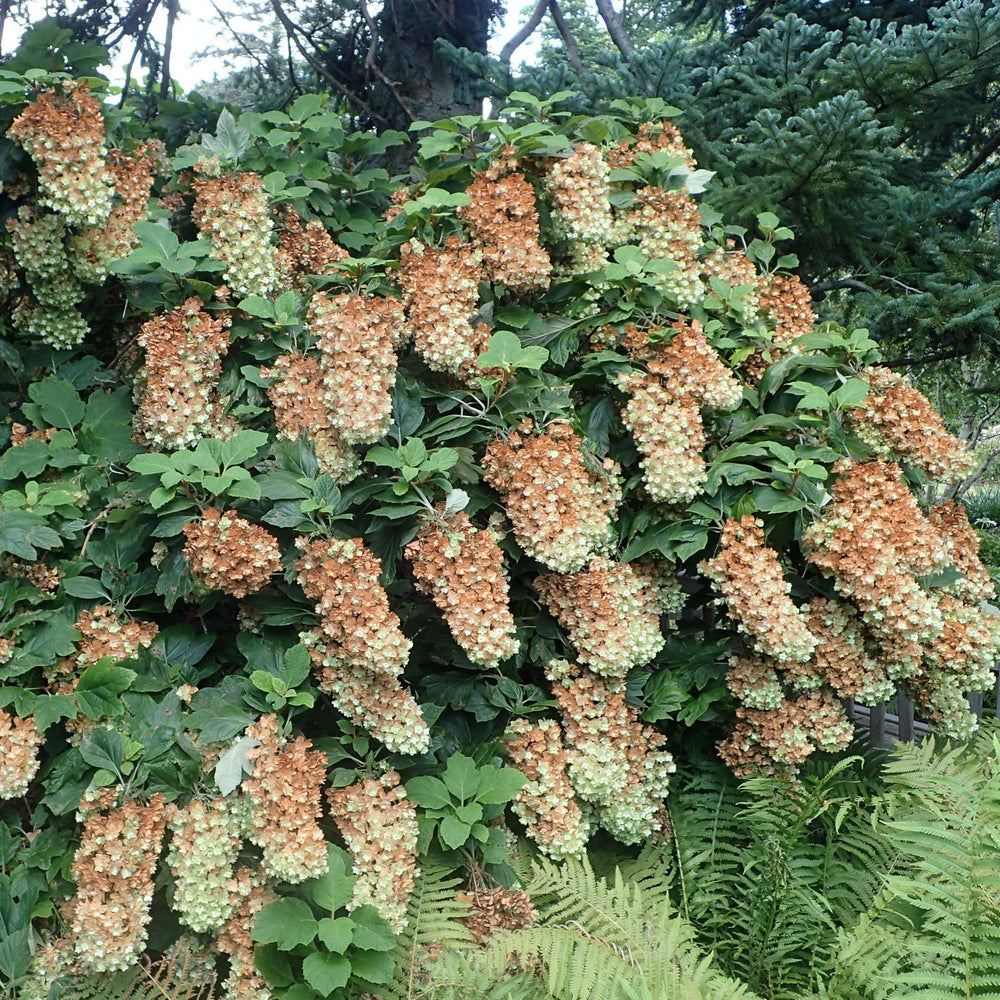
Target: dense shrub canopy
[(335, 521)]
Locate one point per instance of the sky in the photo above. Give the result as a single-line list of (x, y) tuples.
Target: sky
[(199, 28)]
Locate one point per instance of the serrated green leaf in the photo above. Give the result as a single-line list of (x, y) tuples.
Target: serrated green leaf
[(286, 923), (326, 973)]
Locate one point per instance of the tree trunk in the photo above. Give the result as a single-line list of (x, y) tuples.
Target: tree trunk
[(419, 82)]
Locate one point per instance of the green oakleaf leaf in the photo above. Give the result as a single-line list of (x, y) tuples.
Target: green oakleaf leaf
[(337, 933), (326, 973), (286, 923)]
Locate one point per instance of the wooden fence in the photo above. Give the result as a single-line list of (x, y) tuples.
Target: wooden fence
[(885, 726)]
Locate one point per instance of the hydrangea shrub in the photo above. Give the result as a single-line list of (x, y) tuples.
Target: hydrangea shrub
[(314, 477)]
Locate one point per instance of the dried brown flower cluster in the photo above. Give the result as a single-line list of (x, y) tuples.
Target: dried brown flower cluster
[(546, 804), (63, 132), (177, 390), (132, 177), (226, 552), (19, 743), (617, 766), (298, 397), (652, 137), (503, 226), (779, 740), (204, 844), (36, 573), (670, 437), (286, 791), (749, 576), (113, 868), (357, 649), (305, 249), (460, 567), (494, 910), (249, 894), (844, 659), (611, 612), (102, 634), (788, 303), (357, 337), (896, 420), (441, 292), (233, 212), (875, 543), (379, 825), (561, 506), (961, 545), (689, 368)]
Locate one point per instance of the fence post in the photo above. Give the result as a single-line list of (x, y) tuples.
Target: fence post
[(877, 724), (905, 718)]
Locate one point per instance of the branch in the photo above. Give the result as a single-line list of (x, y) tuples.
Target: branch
[(370, 64), (241, 43), (572, 52), (616, 30), (168, 43), (930, 359), (525, 31), (829, 286), (993, 143), (293, 33)]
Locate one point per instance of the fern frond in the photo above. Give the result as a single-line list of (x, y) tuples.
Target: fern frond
[(178, 978), (433, 924), (609, 939), (934, 930)]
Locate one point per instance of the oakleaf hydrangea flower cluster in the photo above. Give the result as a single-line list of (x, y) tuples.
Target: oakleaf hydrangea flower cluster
[(503, 226), (358, 650), (441, 292), (204, 844), (19, 743), (298, 395), (562, 506), (379, 825), (748, 575), (304, 249), (63, 132), (895, 420), (617, 765), (226, 552), (232, 211), (177, 390), (611, 612), (113, 868), (357, 337), (460, 567), (546, 804), (286, 791), (669, 435), (580, 188), (249, 894)]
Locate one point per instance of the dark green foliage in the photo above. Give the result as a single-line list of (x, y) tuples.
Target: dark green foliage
[(869, 128)]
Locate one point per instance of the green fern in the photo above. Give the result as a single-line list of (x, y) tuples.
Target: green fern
[(599, 939), (769, 871), (934, 930), (178, 978), (433, 923)]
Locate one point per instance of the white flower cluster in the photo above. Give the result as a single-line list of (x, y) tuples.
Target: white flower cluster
[(19, 743), (379, 825), (610, 612), (203, 851), (670, 436), (580, 187), (233, 211)]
